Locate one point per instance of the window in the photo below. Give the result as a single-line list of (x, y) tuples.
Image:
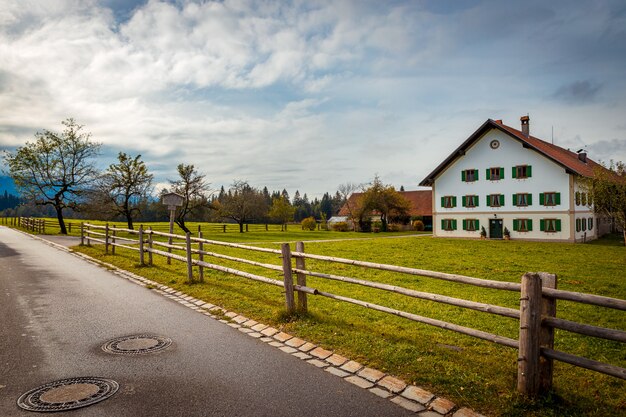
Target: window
[(522, 225), (448, 224), (578, 225), (470, 201), (590, 223), (495, 200), (495, 174), (469, 175), (471, 225), (583, 224), (448, 201), (550, 225), (578, 198), (522, 171), (550, 199), (583, 199), (522, 199)]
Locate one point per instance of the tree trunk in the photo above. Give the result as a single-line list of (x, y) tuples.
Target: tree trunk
[(59, 211), (129, 221), (181, 224), (240, 227)]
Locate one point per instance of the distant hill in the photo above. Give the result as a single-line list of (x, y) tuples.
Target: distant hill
[(6, 183)]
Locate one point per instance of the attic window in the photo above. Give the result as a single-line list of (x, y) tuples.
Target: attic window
[(469, 175), (522, 171)]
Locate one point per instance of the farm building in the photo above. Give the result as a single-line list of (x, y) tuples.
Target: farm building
[(421, 206), (501, 177)]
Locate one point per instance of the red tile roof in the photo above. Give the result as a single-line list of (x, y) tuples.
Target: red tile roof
[(564, 157), (421, 202)]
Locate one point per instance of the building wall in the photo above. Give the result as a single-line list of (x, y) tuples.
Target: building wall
[(547, 176)]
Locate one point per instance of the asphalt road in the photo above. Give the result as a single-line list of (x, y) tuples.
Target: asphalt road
[(56, 311)]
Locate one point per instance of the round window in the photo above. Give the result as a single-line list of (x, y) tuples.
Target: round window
[(494, 144)]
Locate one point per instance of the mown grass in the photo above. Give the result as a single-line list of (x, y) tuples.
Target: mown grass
[(468, 371)]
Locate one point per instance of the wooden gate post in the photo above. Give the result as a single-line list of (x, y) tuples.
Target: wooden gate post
[(548, 309), (529, 335), (106, 239), (82, 233), (189, 260), (302, 300), (200, 256), (150, 245), (113, 231), (141, 259), (288, 278)]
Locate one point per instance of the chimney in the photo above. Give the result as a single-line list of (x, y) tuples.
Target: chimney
[(525, 125), (499, 121), (582, 156)]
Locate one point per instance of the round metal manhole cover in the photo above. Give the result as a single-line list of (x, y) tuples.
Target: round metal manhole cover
[(68, 394), (137, 345)]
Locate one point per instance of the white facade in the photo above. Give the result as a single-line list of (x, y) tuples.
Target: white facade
[(497, 149)]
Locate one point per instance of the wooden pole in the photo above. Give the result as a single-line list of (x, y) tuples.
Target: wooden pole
[(201, 256), (106, 239), (188, 253), (169, 239), (113, 241), (141, 259), (150, 246), (82, 233), (302, 300), (288, 278), (43, 223), (546, 336), (69, 227), (528, 374), (224, 226)]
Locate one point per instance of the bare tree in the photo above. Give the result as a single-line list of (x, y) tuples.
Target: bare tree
[(242, 203), (56, 169), (345, 191), (195, 191)]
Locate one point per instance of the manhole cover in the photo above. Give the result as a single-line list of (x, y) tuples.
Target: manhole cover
[(68, 394), (137, 345)]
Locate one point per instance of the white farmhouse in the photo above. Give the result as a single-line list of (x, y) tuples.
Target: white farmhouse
[(501, 177)]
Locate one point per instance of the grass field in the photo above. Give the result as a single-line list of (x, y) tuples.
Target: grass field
[(468, 371)]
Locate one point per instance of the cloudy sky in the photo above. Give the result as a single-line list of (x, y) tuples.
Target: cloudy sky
[(311, 94)]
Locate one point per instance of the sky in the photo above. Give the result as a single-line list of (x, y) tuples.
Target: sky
[(307, 95)]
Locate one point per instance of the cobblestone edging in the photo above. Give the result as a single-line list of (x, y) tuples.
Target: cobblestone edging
[(410, 397)]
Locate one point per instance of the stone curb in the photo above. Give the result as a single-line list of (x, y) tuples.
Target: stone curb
[(410, 397)]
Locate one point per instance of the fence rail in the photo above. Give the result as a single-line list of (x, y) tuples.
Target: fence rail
[(536, 315)]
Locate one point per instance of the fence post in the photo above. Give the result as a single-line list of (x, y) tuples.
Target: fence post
[(302, 301), (224, 228), (188, 253), (141, 261), (113, 240), (529, 335), (43, 222), (82, 233), (246, 227), (201, 256), (106, 239), (266, 228), (150, 245), (548, 309), (288, 278)]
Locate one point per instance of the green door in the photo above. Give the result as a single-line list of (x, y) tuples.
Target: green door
[(495, 228)]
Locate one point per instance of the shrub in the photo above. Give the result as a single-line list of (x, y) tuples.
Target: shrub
[(309, 223), (340, 227), (418, 225), (393, 227)]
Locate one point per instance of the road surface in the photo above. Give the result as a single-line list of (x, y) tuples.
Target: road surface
[(56, 311)]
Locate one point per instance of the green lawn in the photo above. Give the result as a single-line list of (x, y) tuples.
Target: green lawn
[(471, 372)]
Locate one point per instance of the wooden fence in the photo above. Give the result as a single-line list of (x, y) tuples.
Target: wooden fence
[(536, 314)]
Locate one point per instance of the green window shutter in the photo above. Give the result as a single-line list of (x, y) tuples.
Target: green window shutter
[(464, 201), (475, 198), (454, 201), (501, 199), (529, 199), (488, 201), (443, 201), (462, 175), (542, 225), (464, 224), (558, 198), (515, 199), (542, 199), (454, 224), (515, 225), (475, 175), (529, 224), (578, 225), (477, 224), (488, 173), (558, 225), (502, 173), (514, 172), (529, 171), (443, 224)]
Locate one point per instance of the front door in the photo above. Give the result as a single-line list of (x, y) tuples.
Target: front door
[(495, 228)]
